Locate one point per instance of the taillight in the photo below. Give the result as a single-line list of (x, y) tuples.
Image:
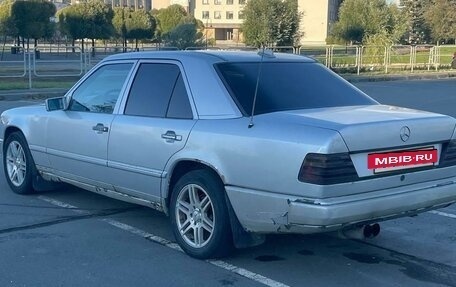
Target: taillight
[(324, 169), (448, 157)]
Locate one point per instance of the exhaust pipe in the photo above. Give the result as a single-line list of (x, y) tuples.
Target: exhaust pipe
[(372, 230), (361, 232)]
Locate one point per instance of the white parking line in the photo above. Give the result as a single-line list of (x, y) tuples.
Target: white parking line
[(219, 263), (246, 273), (62, 204), (443, 214), (165, 242), (142, 233)]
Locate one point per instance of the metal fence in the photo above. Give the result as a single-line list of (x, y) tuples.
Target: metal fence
[(385, 59), (68, 61)]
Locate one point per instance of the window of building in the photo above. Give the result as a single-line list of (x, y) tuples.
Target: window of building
[(205, 15), (229, 15), (241, 2), (205, 2), (241, 15), (217, 15), (217, 2), (229, 2)]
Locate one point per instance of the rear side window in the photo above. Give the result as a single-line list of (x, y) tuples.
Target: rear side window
[(179, 106), (288, 86), (158, 90)]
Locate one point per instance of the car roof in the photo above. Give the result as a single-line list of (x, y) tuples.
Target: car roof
[(213, 56)]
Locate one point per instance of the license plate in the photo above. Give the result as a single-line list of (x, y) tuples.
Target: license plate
[(389, 161)]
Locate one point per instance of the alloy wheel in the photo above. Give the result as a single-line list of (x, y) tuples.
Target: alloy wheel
[(16, 164), (195, 215)]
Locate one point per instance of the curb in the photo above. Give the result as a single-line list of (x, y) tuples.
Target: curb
[(411, 77), (33, 94)]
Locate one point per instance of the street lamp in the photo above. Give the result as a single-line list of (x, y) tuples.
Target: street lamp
[(124, 31)]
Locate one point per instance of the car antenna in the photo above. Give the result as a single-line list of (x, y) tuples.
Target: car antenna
[(263, 53)]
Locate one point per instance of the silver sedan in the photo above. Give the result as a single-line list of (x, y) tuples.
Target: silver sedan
[(234, 145)]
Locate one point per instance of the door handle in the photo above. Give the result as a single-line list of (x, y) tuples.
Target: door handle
[(100, 128), (171, 136)]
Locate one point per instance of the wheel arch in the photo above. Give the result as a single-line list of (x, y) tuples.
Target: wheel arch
[(178, 170), (39, 184), (241, 238), (11, 129)]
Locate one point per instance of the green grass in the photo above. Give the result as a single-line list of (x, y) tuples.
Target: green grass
[(23, 83)]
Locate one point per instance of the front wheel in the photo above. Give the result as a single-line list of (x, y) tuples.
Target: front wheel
[(199, 215), (18, 164)]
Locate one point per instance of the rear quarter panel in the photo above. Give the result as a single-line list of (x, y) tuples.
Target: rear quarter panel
[(266, 157)]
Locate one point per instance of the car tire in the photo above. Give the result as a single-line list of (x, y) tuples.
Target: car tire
[(18, 164), (199, 215)]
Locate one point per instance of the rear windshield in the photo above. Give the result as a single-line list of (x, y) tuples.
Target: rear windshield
[(288, 86)]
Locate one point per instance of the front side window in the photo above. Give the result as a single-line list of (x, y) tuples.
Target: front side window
[(158, 90), (100, 91)]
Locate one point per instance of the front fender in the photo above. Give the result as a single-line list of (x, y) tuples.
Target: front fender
[(32, 122)]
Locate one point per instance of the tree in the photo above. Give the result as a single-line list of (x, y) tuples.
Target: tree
[(440, 15), (396, 25), (170, 17), (6, 24), (70, 23), (184, 36), (136, 25), (92, 19), (32, 19), (119, 23), (288, 25), (418, 31), (141, 25), (361, 19), (271, 22), (99, 20)]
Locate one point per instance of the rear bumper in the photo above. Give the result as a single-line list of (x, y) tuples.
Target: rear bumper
[(272, 213)]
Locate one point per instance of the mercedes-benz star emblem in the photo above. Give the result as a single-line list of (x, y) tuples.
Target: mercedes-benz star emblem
[(405, 133)]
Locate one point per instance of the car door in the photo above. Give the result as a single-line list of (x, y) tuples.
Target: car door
[(155, 124), (78, 136)]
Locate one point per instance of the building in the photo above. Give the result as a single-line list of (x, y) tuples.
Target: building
[(139, 4), (223, 19), (318, 18)]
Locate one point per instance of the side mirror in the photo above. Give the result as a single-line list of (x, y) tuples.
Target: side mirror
[(54, 104)]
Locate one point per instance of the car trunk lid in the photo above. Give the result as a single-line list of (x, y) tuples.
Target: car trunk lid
[(381, 127)]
